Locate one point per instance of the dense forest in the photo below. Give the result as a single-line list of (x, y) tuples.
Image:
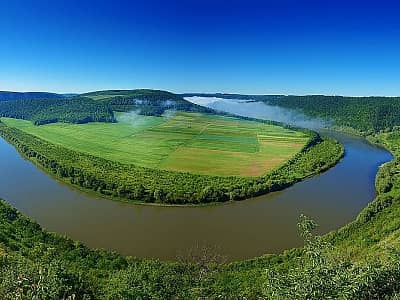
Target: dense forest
[(364, 114), (6, 96), (153, 185), (44, 111)]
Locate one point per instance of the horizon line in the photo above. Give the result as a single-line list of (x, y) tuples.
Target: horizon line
[(206, 93)]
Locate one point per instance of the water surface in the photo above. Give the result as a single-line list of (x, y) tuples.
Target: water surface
[(241, 230)]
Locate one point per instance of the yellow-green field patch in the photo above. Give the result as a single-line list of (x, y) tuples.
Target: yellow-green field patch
[(188, 142)]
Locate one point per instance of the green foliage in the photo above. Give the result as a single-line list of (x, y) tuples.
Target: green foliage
[(69, 110), (151, 280), (151, 185), (21, 278), (322, 274), (6, 96)]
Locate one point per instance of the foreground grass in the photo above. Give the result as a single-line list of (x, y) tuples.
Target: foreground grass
[(188, 142)]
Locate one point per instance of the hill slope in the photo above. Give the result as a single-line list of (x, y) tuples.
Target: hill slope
[(6, 96), (145, 101), (44, 108), (68, 110), (366, 114)]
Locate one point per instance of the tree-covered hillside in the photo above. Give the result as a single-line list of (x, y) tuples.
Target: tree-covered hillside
[(367, 114), (90, 107), (364, 114), (44, 111), (6, 96), (144, 101)]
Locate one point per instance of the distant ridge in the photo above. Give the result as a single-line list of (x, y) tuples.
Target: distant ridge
[(5, 95)]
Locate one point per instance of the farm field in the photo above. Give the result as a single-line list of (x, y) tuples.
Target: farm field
[(188, 142)]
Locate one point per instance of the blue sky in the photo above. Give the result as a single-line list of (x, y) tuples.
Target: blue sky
[(264, 47)]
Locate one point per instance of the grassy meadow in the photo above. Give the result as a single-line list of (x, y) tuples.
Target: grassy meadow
[(189, 142)]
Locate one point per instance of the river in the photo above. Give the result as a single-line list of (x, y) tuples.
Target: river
[(240, 230)]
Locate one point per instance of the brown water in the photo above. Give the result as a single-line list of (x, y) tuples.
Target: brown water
[(241, 230)]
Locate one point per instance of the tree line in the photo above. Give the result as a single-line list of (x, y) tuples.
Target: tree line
[(69, 110), (6, 96)]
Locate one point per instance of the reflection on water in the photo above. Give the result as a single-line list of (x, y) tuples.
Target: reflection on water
[(241, 230)]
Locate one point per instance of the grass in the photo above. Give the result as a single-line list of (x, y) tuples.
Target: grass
[(189, 142)]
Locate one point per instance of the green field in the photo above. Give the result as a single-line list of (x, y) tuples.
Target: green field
[(189, 142)]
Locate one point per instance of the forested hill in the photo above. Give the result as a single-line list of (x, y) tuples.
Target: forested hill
[(6, 96), (144, 101), (90, 107), (69, 110), (365, 114)]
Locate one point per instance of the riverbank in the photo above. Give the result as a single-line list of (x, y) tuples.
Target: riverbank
[(128, 182), (242, 229), (344, 268)]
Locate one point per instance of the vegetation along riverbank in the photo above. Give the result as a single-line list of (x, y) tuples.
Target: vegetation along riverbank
[(133, 182), (358, 261)]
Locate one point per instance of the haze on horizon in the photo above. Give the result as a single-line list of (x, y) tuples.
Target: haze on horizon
[(250, 47)]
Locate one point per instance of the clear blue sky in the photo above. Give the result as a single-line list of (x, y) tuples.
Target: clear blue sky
[(278, 46)]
